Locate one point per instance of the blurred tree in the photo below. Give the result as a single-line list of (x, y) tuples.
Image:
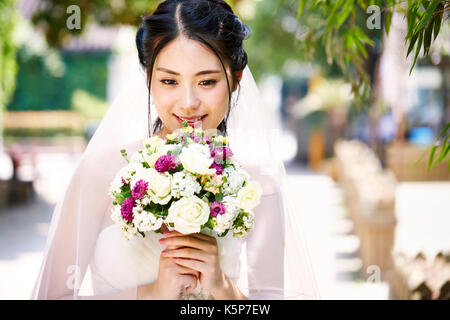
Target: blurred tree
[(52, 15), (8, 50), (346, 37), (271, 43)]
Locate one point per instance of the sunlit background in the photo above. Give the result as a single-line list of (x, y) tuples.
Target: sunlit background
[(377, 219)]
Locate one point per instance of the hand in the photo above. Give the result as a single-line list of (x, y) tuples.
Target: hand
[(198, 252), (170, 282)]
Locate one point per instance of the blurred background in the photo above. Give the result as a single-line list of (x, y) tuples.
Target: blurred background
[(360, 92)]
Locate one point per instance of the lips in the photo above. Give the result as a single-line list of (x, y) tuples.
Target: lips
[(190, 120)]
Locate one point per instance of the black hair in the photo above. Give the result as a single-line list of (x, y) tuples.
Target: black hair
[(212, 22)]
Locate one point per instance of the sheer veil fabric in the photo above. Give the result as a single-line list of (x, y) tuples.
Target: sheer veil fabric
[(274, 260)]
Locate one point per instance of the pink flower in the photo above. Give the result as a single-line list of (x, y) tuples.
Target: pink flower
[(139, 190), (216, 208), (221, 154), (218, 167), (127, 209), (195, 137), (166, 162)]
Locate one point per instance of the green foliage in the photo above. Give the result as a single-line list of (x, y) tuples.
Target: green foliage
[(341, 28), (346, 40), (39, 87), (52, 15), (424, 23), (8, 50), (275, 40), (442, 142)]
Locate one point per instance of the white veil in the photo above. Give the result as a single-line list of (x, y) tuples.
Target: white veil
[(276, 255)]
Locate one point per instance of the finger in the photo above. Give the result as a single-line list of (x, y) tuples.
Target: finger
[(185, 270), (184, 241), (188, 280), (186, 252), (197, 235), (193, 264)]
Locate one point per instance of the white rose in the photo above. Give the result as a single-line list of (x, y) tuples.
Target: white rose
[(154, 143), (159, 184), (188, 214), (195, 158), (249, 196), (151, 159)]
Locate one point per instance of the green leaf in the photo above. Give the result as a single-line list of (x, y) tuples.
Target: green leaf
[(301, 6), (427, 38), (388, 21), (333, 16), (444, 131), (418, 47), (344, 13), (412, 42), (437, 25), (218, 197), (358, 32), (430, 159), (444, 152), (428, 13)]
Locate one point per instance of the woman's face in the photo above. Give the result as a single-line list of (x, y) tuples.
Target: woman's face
[(188, 82)]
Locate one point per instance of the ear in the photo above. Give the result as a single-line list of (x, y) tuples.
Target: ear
[(239, 77)]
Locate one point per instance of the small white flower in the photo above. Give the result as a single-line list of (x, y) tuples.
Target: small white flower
[(235, 180), (146, 221), (184, 184)]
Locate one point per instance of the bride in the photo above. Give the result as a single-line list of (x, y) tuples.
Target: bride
[(195, 69)]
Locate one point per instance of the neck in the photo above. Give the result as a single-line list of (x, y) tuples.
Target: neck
[(162, 132)]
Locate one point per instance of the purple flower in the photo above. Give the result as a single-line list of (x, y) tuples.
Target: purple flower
[(127, 209), (221, 154), (207, 139), (124, 182), (166, 162), (216, 208), (195, 137), (218, 167), (139, 190)]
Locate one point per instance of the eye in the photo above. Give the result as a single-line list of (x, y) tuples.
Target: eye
[(163, 81), (209, 82)]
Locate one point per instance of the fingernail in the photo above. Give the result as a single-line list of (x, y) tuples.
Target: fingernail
[(167, 233), (164, 252), (162, 240)]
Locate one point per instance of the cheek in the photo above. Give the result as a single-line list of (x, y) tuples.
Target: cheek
[(163, 103), (217, 108)]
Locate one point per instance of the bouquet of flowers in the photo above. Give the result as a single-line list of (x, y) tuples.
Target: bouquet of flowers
[(188, 181)]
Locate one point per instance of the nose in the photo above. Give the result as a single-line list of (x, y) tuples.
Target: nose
[(190, 100)]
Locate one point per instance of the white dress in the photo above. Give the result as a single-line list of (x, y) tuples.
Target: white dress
[(119, 264)]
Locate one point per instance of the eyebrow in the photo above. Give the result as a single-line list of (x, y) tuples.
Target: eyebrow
[(197, 74)]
